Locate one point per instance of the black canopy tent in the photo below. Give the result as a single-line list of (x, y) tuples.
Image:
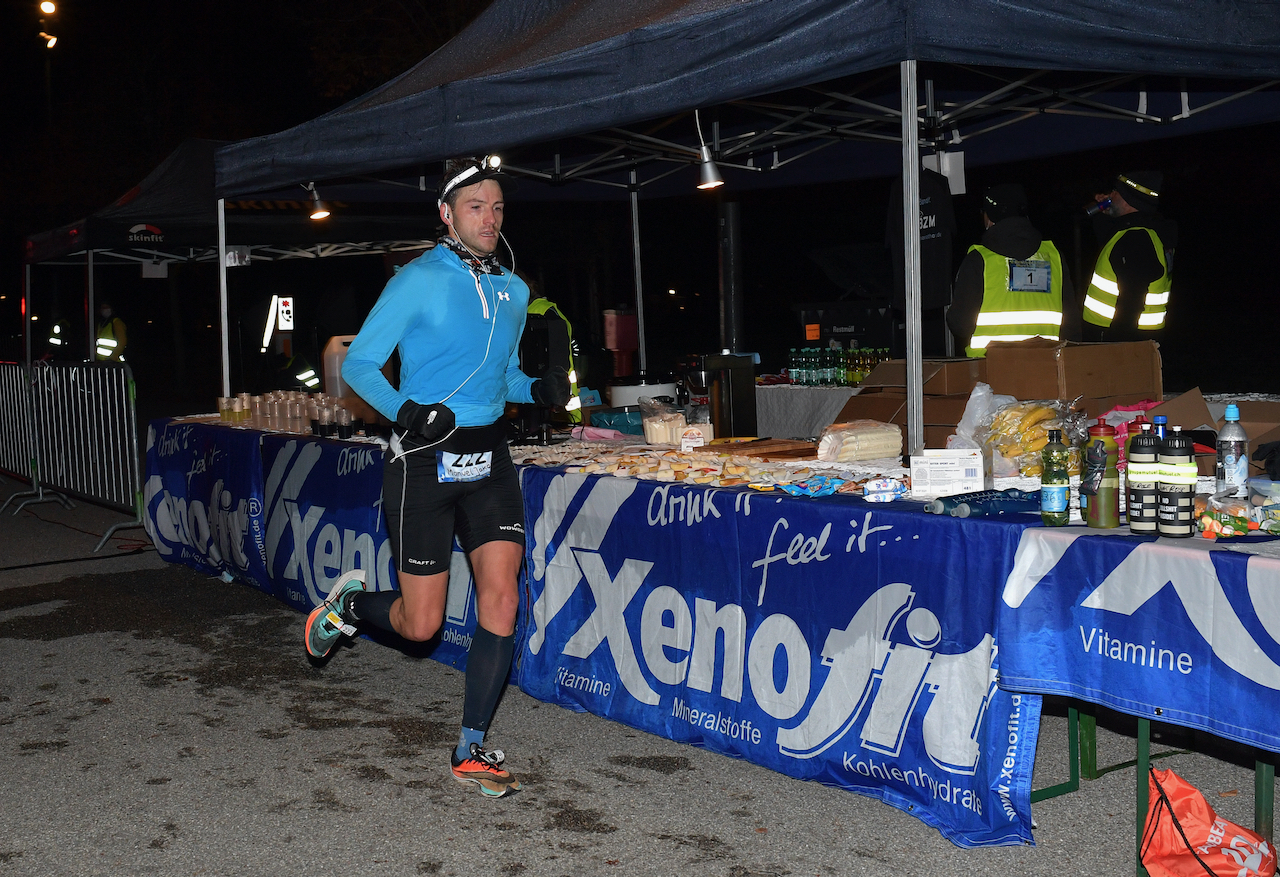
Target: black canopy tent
[(546, 73), (173, 216)]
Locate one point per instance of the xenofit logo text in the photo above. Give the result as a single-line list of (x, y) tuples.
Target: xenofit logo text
[(880, 663)]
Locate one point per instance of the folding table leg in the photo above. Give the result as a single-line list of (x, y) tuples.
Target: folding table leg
[(1073, 762), (1264, 790), (1089, 745), (1144, 789)]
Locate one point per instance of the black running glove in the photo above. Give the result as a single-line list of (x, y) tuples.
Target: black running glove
[(428, 422), (552, 389), (1095, 467)]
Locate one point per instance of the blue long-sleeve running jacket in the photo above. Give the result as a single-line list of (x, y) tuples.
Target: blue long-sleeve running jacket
[(458, 335)]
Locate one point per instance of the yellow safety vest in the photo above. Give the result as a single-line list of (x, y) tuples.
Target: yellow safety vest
[(1021, 298), (1104, 291), (539, 307), (110, 347)]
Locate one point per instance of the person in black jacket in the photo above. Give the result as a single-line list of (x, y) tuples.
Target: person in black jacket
[(1008, 233)]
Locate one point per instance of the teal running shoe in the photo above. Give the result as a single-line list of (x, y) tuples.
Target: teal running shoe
[(331, 620)]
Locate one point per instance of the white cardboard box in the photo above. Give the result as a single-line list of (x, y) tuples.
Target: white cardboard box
[(936, 473)]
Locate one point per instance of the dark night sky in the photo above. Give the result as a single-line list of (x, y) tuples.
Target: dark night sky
[(128, 82)]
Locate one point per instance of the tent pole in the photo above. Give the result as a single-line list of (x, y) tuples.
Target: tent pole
[(26, 311), (91, 309), (911, 237), (635, 255), (731, 333), (222, 297)]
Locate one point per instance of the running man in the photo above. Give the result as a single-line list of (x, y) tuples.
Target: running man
[(456, 316)]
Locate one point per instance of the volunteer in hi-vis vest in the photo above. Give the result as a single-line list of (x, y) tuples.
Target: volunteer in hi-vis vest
[(111, 339), (1013, 285), (1128, 293), (541, 307)]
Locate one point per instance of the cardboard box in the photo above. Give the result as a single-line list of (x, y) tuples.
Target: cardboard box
[(1104, 374), (1188, 410), (942, 377), (936, 436), (886, 407), (945, 473), (890, 406)]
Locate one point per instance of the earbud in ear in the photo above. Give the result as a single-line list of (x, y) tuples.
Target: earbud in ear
[(447, 216)]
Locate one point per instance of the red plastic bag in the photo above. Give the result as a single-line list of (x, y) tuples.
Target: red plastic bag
[(1185, 838)]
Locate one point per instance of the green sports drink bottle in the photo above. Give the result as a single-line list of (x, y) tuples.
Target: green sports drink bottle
[(1055, 486)]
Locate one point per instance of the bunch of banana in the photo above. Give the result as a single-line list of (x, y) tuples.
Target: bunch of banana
[(1021, 430)]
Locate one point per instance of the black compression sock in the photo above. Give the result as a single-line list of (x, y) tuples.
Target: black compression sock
[(374, 607), (488, 663)]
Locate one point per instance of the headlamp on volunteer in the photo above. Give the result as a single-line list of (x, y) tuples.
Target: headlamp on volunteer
[(469, 174)]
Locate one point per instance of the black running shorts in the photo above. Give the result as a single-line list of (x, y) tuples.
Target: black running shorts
[(423, 512)]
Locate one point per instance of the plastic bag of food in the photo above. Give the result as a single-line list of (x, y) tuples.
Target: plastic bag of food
[(859, 440), (1224, 515), (663, 423)]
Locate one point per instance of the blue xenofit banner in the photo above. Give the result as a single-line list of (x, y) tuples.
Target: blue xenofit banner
[(202, 496), (1165, 629), (286, 514), (832, 640)]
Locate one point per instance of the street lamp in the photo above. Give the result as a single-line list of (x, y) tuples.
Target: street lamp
[(47, 7)]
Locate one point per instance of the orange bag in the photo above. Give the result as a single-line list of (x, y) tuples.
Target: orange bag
[(1183, 837)]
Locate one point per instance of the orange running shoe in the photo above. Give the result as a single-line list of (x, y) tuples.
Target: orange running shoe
[(484, 768)]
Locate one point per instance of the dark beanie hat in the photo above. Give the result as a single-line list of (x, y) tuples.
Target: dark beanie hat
[(1005, 200), (1141, 189)]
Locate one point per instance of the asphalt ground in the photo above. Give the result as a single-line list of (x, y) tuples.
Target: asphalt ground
[(158, 721)]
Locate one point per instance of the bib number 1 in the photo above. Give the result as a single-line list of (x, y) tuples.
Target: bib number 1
[(463, 467), (1030, 275)]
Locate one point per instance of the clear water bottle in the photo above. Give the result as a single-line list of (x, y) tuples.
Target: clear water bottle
[(1233, 455)]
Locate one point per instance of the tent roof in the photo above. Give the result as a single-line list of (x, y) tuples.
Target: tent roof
[(173, 215), (533, 71)]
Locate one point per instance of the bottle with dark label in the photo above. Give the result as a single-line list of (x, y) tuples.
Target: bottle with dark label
[(1142, 475), (1176, 490), (1055, 486)]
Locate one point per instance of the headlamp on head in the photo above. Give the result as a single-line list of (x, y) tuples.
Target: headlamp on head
[(469, 174)]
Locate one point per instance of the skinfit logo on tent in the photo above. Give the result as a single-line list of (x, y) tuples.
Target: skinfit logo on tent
[(145, 233)]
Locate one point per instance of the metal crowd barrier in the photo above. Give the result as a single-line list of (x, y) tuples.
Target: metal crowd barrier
[(81, 434), (17, 453)]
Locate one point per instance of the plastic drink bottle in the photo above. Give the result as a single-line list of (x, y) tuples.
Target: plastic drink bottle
[(1176, 490), (1142, 476), (1102, 477), (1160, 424), (1233, 455), (985, 502), (1055, 485)]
